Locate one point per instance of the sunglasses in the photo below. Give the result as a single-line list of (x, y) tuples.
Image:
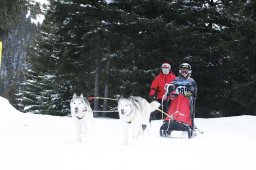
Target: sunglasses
[(184, 71)]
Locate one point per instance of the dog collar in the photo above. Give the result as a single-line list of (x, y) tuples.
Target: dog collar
[(80, 117)]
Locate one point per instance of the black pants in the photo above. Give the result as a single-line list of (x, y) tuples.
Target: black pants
[(157, 115)]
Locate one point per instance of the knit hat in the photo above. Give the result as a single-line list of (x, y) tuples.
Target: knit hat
[(166, 65)]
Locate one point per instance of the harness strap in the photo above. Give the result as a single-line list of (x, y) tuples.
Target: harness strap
[(91, 98)]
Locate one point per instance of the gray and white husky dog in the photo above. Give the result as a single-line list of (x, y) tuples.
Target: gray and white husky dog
[(135, 112), (82, 115)]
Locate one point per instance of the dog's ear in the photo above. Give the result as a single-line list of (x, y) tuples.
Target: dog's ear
[(133, 98), (82, 96), (118, 97), (74, 95)]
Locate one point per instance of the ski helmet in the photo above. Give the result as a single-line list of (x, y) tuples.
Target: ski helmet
[(185, 66)]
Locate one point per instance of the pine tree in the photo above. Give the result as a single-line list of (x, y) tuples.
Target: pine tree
[(16, 32), (242, 45), (72, 39), (102, 49)]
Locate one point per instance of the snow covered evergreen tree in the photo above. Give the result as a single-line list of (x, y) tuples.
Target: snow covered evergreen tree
[(16, 31), (108, 49)]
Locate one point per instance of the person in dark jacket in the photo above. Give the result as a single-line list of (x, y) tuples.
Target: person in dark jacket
[(157, 87), (185, 85)]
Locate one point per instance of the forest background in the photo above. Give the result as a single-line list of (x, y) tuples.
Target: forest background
[(115, 48)]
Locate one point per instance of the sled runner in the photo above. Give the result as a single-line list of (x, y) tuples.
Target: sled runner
[(180, 114)]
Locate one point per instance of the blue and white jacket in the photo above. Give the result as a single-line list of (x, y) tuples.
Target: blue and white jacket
[(182, 85)]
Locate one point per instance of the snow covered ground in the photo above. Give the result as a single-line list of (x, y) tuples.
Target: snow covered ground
[(39, 142)]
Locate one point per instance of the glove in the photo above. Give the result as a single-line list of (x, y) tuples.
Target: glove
[(188, 94), (169, 87)]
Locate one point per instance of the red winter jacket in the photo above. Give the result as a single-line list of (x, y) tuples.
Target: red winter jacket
[(157, 86)]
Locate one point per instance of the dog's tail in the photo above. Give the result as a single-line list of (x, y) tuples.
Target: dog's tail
[(154, 105)]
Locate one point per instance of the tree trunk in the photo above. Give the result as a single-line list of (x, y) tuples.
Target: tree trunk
[(97, 83), (106, 90)]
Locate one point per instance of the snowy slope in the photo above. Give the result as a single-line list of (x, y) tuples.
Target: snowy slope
[(39, 142)]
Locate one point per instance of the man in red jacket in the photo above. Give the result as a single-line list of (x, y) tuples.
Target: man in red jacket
[(157, 88)]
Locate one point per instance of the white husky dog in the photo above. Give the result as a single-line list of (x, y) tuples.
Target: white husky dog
[(82, 114), (135, 113)]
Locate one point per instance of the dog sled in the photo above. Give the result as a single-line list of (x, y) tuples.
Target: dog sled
[(180, 115)]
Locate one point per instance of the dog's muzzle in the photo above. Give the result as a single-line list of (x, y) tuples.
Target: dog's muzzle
[(122, 111), (81, 114), (76, 110)]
